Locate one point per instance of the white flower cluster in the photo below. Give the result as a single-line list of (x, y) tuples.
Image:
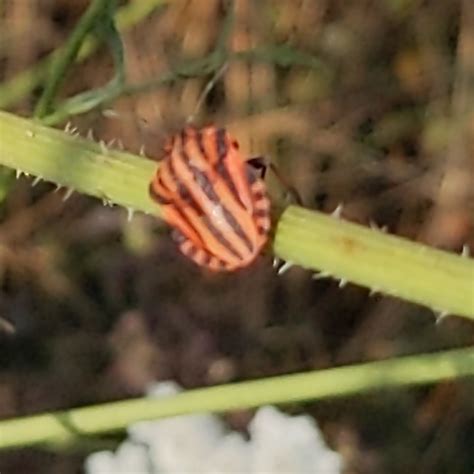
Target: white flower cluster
[(201, 444)]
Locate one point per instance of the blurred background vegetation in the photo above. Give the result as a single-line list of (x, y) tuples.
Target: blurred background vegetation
[(385, 124)]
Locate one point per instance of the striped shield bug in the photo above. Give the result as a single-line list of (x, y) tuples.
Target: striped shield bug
[(215, 201)]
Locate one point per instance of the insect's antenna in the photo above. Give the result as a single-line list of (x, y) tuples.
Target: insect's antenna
[(291, 190), (209, 86), (261, 164)]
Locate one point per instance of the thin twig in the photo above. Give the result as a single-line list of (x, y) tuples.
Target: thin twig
[(69, 53), (210, 64)]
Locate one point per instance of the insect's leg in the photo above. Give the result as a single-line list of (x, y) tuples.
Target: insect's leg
[(261, 164)]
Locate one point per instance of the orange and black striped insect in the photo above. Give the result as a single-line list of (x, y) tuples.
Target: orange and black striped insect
[(215, 200)]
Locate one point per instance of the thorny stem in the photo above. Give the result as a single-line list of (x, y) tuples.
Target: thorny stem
[(73, 162), (387, 264), (440, 280)]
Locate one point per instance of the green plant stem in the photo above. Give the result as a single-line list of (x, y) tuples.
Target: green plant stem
[(64, 426), (21, 85), (440, 280), (68, 54), (349, 252), (77, 163)]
